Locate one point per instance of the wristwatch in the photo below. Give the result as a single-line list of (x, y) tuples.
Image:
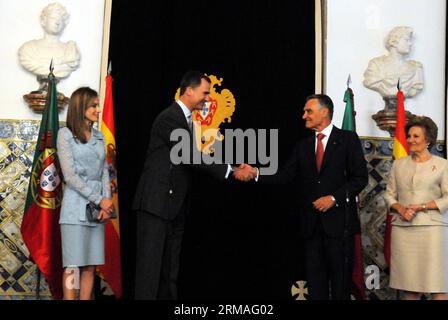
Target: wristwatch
[(424, 207)]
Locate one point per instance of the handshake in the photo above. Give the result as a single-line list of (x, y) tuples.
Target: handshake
[(245, 172)]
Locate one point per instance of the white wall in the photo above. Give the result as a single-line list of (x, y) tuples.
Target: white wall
[(356, 33), (20, 22)]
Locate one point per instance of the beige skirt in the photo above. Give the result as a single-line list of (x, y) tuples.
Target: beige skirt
[(419, 259)]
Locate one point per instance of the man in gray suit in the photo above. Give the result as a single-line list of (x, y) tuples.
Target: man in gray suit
[(163, 194)]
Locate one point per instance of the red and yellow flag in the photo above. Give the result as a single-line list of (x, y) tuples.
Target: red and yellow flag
[(400, 150), (400, 145), (111, 270)]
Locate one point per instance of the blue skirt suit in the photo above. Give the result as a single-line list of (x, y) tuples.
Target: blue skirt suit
[(86, 179)]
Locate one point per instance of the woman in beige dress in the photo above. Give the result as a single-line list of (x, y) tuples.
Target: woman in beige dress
[(417, 194)]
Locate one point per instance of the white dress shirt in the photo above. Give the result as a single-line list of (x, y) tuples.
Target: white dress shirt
[(188, 118), (185, 110), (326, 132)]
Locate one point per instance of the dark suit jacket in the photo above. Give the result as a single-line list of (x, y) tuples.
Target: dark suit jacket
[(164, 186), (343, 170)]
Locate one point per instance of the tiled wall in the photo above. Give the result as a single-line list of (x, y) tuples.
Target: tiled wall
[(18, 275)]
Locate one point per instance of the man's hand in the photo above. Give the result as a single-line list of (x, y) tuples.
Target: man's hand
[(324, 203), (245, 172)]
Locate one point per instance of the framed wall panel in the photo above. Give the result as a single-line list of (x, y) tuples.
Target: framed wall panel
[(353, 32)]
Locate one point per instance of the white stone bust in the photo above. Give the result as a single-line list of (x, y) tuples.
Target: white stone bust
[(383, 73), (36, 55)]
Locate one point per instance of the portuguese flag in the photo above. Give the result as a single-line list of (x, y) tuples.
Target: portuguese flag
[(40, 225), (111, 270)]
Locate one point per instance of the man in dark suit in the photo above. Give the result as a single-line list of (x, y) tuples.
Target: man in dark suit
[(330, 171), (163, 193)]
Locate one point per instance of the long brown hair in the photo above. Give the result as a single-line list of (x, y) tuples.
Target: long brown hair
[(79, 102)]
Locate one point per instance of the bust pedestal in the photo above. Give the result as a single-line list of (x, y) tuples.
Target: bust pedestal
[(36, 99), (386, 119)]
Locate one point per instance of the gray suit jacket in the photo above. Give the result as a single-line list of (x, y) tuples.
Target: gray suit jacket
[(85, 174), (164, 187)]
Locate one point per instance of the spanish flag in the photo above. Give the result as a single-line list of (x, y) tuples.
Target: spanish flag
[(400, 150), (400, 145), (111, 270)]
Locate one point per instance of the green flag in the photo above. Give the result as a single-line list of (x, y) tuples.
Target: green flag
[(349, 119), (358, 285)]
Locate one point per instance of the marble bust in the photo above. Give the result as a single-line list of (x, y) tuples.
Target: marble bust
[(36, 55), (384, 72)]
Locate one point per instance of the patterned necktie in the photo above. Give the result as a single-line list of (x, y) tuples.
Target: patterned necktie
[(319, 151)]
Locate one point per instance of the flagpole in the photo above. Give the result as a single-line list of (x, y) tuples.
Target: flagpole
[(347, 275), (349, 81), (42, 146), (397, 292)]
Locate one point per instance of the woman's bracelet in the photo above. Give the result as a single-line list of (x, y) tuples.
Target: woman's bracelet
[(424, 207)]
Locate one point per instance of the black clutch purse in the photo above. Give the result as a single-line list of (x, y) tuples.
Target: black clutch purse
[(93, 212)]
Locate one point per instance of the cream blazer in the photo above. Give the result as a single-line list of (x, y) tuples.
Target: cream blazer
[(416, 183)]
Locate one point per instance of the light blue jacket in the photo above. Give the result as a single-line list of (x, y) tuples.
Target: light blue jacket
[(85, 174)]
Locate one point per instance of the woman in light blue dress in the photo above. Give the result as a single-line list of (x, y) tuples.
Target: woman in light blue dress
[(81, 153)]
